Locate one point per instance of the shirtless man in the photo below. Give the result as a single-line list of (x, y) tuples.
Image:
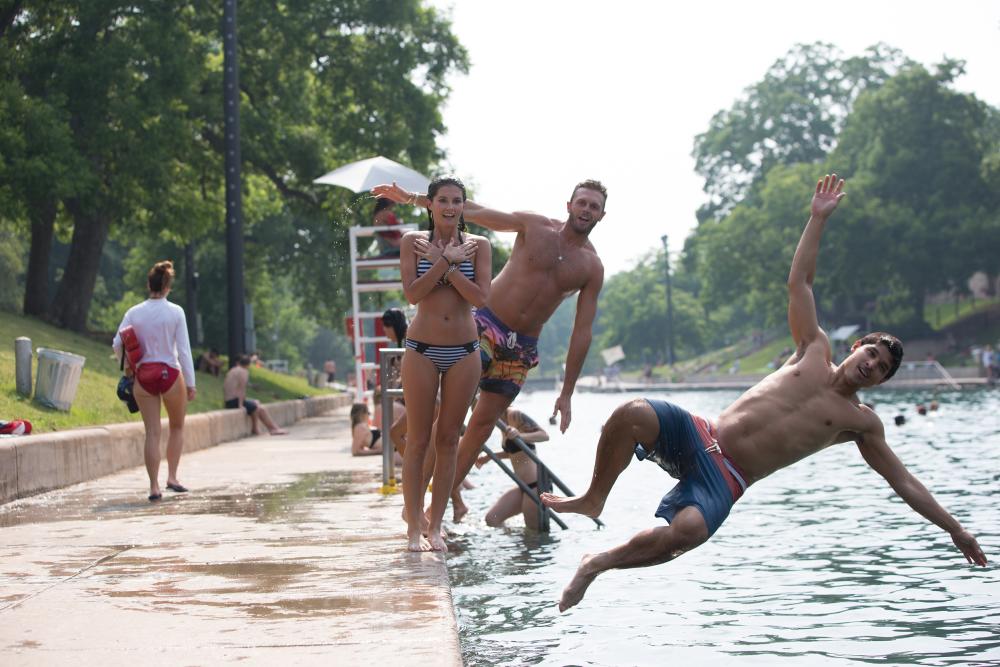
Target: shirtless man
[(550, 261), (806, 405), (234, 392)]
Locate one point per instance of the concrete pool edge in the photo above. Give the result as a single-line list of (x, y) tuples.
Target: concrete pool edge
[(34, 464), (359, 596)]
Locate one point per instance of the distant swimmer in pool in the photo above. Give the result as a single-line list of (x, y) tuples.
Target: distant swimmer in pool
[(806, 405)]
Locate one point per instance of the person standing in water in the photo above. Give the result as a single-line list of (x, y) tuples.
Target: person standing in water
[(803, 407), (514, 501), (445, 272)]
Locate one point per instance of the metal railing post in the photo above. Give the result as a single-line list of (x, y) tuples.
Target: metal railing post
[(544, 485), (388, 448)]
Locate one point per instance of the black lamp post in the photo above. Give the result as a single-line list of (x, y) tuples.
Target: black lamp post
[(234, 195), (670, 305)]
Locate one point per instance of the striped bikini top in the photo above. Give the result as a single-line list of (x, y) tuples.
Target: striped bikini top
[(465, 268)]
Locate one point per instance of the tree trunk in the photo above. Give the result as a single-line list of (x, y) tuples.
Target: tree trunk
[(76, 289), (36, 286), (918, 327)]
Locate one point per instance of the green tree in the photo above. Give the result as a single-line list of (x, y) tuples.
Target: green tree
[(792, 115), (136, 90), (113, 74), (919, 148), (744, 258), (632, 312), (370, 80)]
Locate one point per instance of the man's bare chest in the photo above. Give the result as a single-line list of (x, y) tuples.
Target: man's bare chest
[(561, 270)]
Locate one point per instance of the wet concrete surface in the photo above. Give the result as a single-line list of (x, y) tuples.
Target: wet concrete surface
[(282, 552)]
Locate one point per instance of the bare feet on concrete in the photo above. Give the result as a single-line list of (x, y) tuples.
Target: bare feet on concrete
[(425, 523), (417, 542), (437, 541)]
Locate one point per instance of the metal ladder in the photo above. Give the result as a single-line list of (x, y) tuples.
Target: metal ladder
[(358, 287)]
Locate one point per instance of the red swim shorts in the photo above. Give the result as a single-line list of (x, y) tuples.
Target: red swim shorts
[(157, 378)]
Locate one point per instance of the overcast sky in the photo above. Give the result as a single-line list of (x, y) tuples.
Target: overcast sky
[(560, 91)]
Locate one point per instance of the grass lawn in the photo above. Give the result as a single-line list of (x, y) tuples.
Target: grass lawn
[(757, 361), (96, 402), (941, 315)]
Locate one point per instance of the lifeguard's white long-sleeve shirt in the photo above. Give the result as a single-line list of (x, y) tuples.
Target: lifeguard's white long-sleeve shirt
[(163, 335)]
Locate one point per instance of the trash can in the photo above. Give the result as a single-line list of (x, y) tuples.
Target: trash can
[(58, 376)]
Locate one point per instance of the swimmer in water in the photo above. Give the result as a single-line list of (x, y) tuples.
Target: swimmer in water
[(803, 407)]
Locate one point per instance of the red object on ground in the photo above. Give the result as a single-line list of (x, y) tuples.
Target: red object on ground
[(15, 427)]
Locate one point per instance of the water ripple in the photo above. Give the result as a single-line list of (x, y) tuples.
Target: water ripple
[(819, 564)]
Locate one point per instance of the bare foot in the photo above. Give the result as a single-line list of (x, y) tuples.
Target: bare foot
[(425, 523), (466, 484), (576, 505), (417, 543), (437, 541), (458, 507), (279, 431), (584, 576)]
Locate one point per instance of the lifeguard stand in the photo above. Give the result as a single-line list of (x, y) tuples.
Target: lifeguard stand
[(360, 285)]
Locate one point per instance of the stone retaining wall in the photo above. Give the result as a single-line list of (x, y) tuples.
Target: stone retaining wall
[(37, 463)]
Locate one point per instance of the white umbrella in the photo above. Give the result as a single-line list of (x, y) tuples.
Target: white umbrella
[(363, 175)]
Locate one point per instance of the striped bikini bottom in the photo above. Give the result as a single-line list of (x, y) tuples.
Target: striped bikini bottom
[(443, 356)]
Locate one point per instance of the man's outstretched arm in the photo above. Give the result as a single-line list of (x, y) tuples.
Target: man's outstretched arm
[(802, 320), (498, 221), (881, 458)]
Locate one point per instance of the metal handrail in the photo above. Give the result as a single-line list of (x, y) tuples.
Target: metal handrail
[(544, 469), (388, 447)]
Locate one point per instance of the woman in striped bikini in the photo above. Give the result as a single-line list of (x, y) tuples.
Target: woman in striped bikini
[(445, 272)]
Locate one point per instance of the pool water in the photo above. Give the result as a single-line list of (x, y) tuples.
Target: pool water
[(819, 564)]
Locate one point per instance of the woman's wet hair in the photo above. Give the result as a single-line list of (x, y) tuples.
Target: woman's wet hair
[(357, 410), (432, 190), (161, 276), (395, 318), (891, 343), (381, 204)]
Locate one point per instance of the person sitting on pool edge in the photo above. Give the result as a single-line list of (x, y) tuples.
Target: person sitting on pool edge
[(234, 391), (803, 407), (365, 440)]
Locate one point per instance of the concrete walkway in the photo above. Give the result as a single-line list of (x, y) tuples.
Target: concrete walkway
[(283, 553)]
